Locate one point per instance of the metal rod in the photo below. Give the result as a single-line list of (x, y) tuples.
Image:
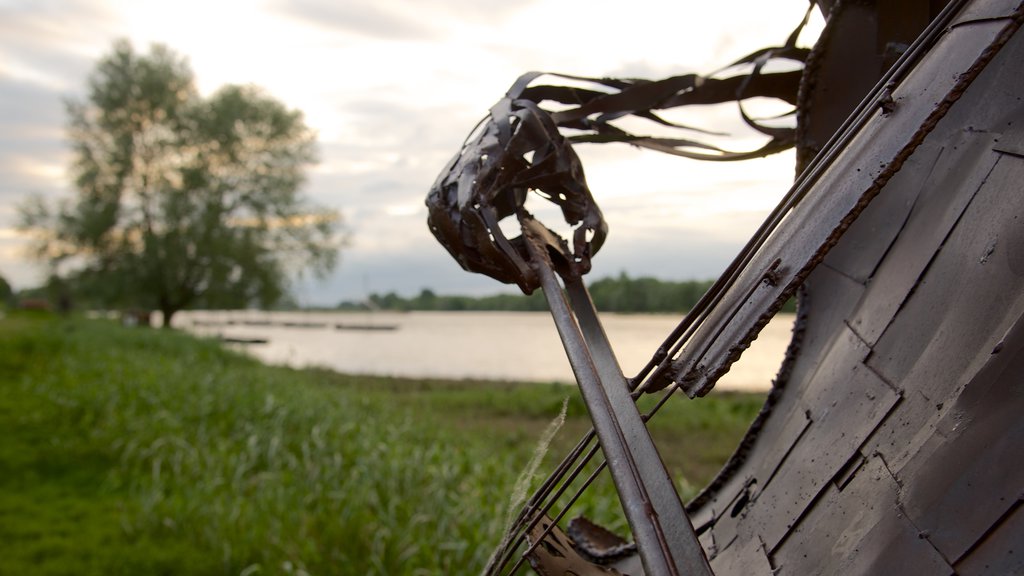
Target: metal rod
[(664, 536)]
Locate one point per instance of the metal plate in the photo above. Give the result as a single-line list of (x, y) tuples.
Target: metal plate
[(846, 405), (926, 229), (860, 530), (980, 438)]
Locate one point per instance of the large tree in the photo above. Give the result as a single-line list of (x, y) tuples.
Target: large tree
[(183, 200)]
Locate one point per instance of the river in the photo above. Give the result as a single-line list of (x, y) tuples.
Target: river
[(512, 346)]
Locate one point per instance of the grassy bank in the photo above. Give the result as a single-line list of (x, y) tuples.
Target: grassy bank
[(149, 452)]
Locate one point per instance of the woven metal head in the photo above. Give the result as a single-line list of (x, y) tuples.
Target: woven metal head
[(516, 150)]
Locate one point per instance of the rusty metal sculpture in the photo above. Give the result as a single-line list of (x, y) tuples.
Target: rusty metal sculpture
[(892, 437)]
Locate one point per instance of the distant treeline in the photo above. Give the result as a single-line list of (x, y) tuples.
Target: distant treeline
[(622, 294)]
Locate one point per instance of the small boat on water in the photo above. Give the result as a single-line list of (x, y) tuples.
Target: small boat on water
[(303, 324), (257, 322), (368, 327), (243, 340)]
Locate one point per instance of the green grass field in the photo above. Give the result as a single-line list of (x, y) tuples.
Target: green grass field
[(134, 451)]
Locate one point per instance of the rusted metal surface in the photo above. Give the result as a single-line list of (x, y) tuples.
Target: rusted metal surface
[(855, 408), (868, 506), (999, 551)]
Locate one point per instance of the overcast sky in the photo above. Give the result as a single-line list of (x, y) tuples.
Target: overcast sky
[(392, 87)]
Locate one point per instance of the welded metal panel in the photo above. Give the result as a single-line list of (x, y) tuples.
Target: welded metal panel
[(859, 530), (871, 236), (1011, 143), (793, 429), (730, 506), (981, 11), (783, 419), (749, 559), (846, 406), (829, 297), (969, 473), (967, 300), (1001, 552), (926, 230)]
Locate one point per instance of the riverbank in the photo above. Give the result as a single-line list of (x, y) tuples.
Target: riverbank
[(134, 451)]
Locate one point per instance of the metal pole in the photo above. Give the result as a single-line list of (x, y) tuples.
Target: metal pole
[(664, 536)]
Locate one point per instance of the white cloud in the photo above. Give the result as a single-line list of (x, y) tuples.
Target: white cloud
[(393, 86)]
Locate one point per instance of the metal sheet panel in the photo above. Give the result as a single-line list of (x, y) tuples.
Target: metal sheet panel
[(926, 229), (969, 473), (748, 559), (846, 403), (873, 233), (830, 298), (859, 530), (786, 420), (981, 11), (946, 330), (732, 513), (1011, 142), (945, 470), (1002, 551)]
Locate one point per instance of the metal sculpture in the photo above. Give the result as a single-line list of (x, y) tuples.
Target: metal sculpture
[(892, 436), (518, 148)]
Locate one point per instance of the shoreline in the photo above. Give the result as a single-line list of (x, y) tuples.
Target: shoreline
[(497, 346)]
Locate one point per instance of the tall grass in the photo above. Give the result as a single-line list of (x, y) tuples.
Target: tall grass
[(148, 452)]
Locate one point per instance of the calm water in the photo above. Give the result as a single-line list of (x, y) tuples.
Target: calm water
[(488, 345)]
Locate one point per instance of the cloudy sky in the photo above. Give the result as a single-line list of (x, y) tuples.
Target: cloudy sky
[(392, 87)]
